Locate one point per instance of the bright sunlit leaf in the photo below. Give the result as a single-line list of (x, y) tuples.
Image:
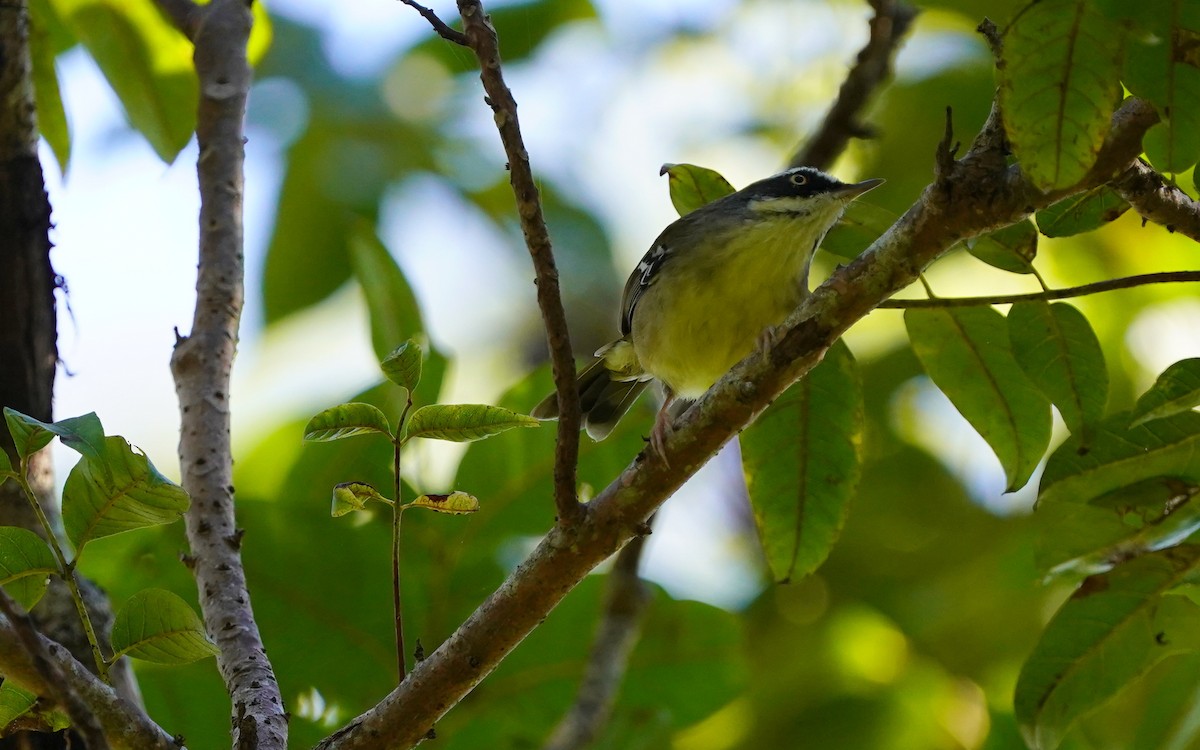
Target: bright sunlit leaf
[(461, 423), (692, 186), (157, 626), (456, 503), (120, 492), (352, 496), (347, 420), (1057, 349), (965, 352)]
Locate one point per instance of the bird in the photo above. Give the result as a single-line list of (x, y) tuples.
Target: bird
[(713, 286)]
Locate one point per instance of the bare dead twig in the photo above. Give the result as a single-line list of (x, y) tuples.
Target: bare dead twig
[(444, 30), (202, 363), (482, 39), (872, 67), (616, 636), (1159, 201)]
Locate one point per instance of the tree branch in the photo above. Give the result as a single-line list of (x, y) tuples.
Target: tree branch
[(1159, 201), (202, 363), (873, 66), (616, 636), (444, 30), (976, 194), (58, 674), (1108, 285), (481, 37), (83, 720)]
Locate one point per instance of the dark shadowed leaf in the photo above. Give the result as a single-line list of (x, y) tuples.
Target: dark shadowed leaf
[(1011, 249), (801, 460), (1175, 391), (1115, 628), (860, 225), (1082, 212), (26, 563), (393, 309), (1059, 85)]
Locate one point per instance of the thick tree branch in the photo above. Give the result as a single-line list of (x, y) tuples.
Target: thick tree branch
[(873, 67), (121, 722), (481, 37), (1159, 201), (1108, 285), (202, 363), (616, 636), (974, 195)]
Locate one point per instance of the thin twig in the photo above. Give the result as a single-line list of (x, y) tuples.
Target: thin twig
[(873, 67), (1159, 201), (444, 30), (981, 194), (1108, 285), (185, 15), (482, 39), (201, 365), (83, 719), (616, 636)]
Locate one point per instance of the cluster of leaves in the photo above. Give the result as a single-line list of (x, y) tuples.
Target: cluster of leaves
[(111, 490)]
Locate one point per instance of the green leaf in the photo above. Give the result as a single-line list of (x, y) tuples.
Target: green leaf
[(1117, 456), (1115, 628), (6, 467), (120, 492), (146, 61), (353, 496), (861, 224), (464, 422), (1177, 390), (347, 420), (47, 38), (1082, 539), (1059, 85), (1157, 71), (26, 562), (456, 503), (1057, 349), (1011, 249), (15, 702), (29, 435), (802, 460), (158, 626), (403, 365), (692, 186), (965, 351), (392, 306), (1081, 212)]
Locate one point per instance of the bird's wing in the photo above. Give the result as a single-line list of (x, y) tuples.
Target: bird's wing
[(641, 279)]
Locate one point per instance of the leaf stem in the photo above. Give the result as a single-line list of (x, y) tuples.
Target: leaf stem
[(397, 514), (1108, 285), (67, 570)]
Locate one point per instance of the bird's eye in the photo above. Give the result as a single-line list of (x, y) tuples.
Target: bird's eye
[(799, 179)]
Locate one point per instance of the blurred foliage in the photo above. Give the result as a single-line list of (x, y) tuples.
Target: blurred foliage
[(915, 631)]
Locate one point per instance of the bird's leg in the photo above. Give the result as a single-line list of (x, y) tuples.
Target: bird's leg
[(663, 427)]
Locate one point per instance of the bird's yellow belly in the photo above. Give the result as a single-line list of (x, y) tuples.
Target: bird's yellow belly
[(692, 331)]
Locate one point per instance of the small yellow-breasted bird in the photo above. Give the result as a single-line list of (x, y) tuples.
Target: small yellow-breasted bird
[(714, 284)]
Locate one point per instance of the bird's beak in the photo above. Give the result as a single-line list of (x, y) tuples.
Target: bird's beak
[(856, 189)]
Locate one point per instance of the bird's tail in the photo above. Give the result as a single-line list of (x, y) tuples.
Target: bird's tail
[(607, 388)]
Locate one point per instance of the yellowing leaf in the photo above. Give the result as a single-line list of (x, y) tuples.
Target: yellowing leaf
[(456, 503)]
